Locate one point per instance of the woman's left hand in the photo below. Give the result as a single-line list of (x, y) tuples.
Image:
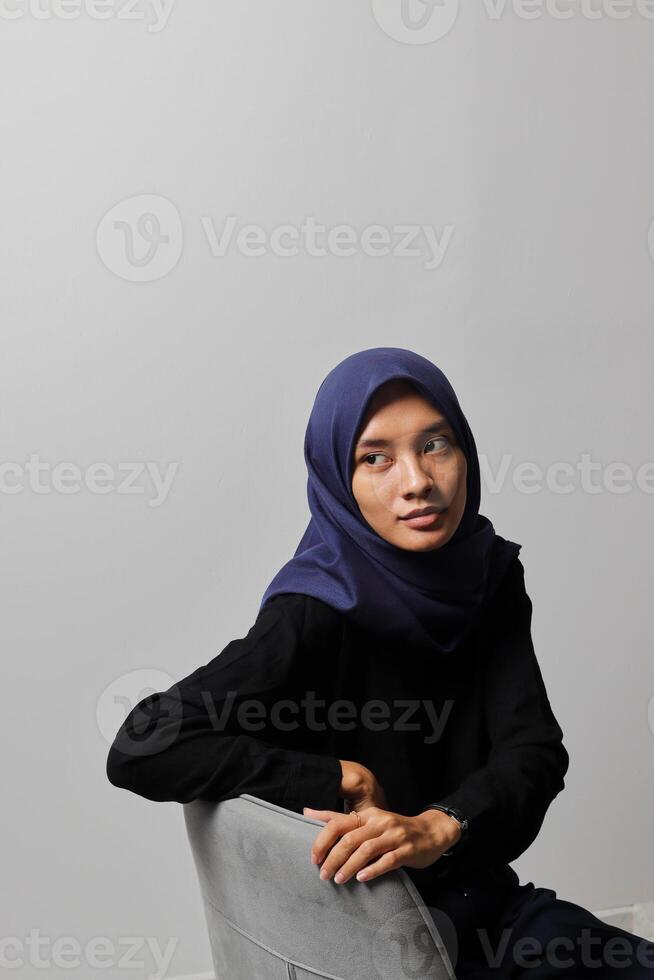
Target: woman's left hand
[(384, 841)]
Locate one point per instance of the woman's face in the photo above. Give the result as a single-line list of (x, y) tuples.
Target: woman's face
[(407, 458)]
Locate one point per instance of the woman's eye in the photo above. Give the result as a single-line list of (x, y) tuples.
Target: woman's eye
[(440, 442), (440, 439)]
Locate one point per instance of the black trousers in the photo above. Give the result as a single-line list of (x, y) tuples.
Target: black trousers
[(518, 931)]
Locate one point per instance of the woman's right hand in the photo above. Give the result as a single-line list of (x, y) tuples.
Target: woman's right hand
[(360, 787)]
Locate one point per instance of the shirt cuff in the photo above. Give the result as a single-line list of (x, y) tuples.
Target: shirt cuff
[(314, 781)]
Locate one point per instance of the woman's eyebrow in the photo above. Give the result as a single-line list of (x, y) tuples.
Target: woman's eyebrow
[(436, 426)]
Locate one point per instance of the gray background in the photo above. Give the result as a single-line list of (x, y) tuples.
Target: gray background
[(532, 139)]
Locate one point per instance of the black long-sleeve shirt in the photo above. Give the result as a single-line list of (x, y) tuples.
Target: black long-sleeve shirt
[(473, 730)]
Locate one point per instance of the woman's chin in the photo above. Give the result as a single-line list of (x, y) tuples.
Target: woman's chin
[(415, 540)]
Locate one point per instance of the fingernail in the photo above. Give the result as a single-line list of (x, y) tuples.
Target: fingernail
[(324, 873), (339, 877)]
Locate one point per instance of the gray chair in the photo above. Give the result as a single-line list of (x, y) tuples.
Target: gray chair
[(270, 916)]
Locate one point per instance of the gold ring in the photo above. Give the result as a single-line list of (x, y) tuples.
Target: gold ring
[(356, 814)]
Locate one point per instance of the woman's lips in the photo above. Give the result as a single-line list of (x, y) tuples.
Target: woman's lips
[(427, 520)]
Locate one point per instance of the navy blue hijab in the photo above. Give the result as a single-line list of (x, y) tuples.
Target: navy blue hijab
[(430, 599)]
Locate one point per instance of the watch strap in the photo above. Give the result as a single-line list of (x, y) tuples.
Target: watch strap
[(460, 819)]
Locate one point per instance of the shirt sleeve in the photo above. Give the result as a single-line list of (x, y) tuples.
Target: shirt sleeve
[(200, 740), (505, 800)]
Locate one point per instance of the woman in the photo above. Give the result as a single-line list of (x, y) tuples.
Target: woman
[(397, 693)]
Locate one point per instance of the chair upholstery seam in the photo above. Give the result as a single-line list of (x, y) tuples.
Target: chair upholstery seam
[(269, 949)]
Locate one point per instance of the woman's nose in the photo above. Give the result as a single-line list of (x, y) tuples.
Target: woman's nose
[(415, 477)]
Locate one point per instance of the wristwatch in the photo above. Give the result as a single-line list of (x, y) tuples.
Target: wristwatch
[(460, 819)]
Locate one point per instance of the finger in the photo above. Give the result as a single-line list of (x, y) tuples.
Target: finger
[(367, 851), (331, 837), (321, 814), (354, 850), (326, 815), (387, 862)]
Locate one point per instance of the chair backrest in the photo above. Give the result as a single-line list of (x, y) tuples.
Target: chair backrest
[(270, 916)]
